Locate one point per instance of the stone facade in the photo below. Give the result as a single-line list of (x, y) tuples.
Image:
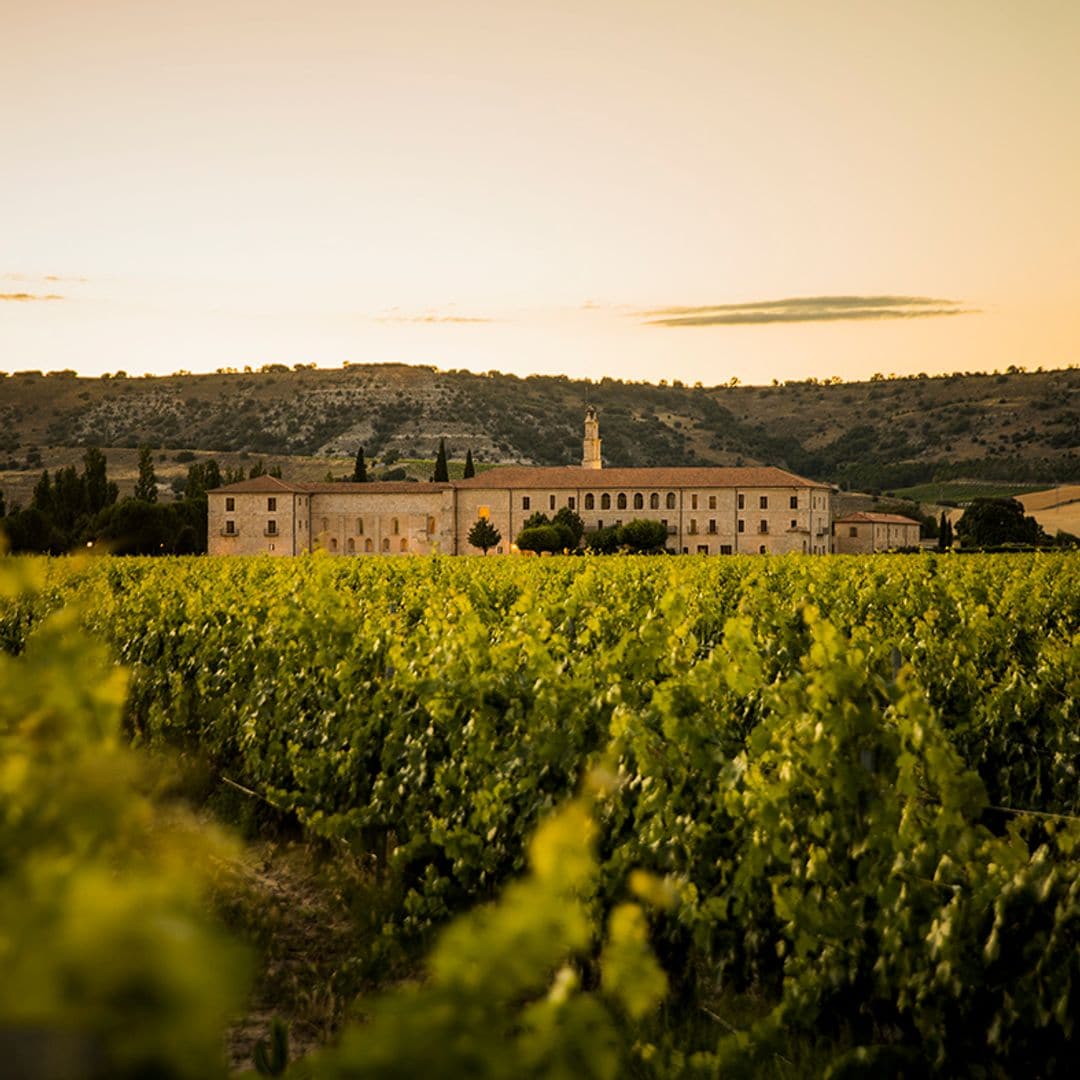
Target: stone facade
[(707, 511), (863, 533)]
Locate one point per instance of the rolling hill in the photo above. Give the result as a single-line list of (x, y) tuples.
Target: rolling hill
[(887, 433)]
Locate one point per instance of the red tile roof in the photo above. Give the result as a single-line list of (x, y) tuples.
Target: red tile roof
[(270, 485), (258, 485), (556, 477), (876, 519), (573, 476)]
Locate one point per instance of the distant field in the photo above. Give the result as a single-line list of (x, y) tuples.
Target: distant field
[(963, 491)]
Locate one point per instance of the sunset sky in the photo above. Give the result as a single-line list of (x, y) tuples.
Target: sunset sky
[(694, 190)]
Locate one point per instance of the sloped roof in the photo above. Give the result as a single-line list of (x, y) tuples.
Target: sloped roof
[(573, 476), (553, 477), (271, 485), (258, 485), (875, 519)]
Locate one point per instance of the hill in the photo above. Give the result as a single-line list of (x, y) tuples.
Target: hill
[(887, 433)]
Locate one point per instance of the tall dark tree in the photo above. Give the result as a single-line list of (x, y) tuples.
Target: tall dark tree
[(442, 472), (470, 468), (359, 473), (258, 469), (484, 535), (3, 506), (146, 485), (99, 491), (43, 495), (944, 536), (69, 498)]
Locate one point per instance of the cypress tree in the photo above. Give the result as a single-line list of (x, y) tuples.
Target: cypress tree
[(442, 473), (470, 469), (146, 485), (943, 532), (96, 481), (360, 468), (43, 494)]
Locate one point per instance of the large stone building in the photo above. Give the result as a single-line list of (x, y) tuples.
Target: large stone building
[(707, 510)]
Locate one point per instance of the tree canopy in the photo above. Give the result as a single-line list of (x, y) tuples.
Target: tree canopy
[(484, 535), (993, 522)]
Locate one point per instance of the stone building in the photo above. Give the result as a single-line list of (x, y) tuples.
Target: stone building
[(706, 510), (862, 533)]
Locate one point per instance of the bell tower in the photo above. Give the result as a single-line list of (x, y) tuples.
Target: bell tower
[(590, 458)]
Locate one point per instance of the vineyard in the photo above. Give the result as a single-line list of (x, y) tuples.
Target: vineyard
[(612, 816)]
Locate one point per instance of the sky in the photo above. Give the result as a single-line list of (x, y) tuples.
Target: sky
[(643, 189)]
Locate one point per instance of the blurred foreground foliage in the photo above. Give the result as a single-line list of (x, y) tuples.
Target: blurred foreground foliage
[(111, 966)]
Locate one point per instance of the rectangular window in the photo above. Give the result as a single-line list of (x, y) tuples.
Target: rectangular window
[(269, 547), (712, 502), (742, 525), (526, 503), (763, 502), (742, 502), (794, 523), (712, 525), (271, 505), (230, 528), (693, 526), (271, 528), (725, 549), (693, 502), (703, 549), (572, 503), (793, 502), (599, 524), (853, 531), (230, 504), (551, 502), (763, 526)]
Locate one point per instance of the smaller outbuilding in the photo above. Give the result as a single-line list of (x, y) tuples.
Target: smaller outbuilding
[(863, 533)]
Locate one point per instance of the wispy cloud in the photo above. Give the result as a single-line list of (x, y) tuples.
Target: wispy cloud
[(42, 277), (25, 297), (432, 317), (807, 309)]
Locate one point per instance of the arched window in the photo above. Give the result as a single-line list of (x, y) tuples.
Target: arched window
[(605, 501), (590, 501), (620, 502), (359, 526), (333, 544), (386, 543), (325, 524), (639, 501), (394, 527), (404, 544), (368, 545), (654, 501), (671, 500), (352, 546)]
